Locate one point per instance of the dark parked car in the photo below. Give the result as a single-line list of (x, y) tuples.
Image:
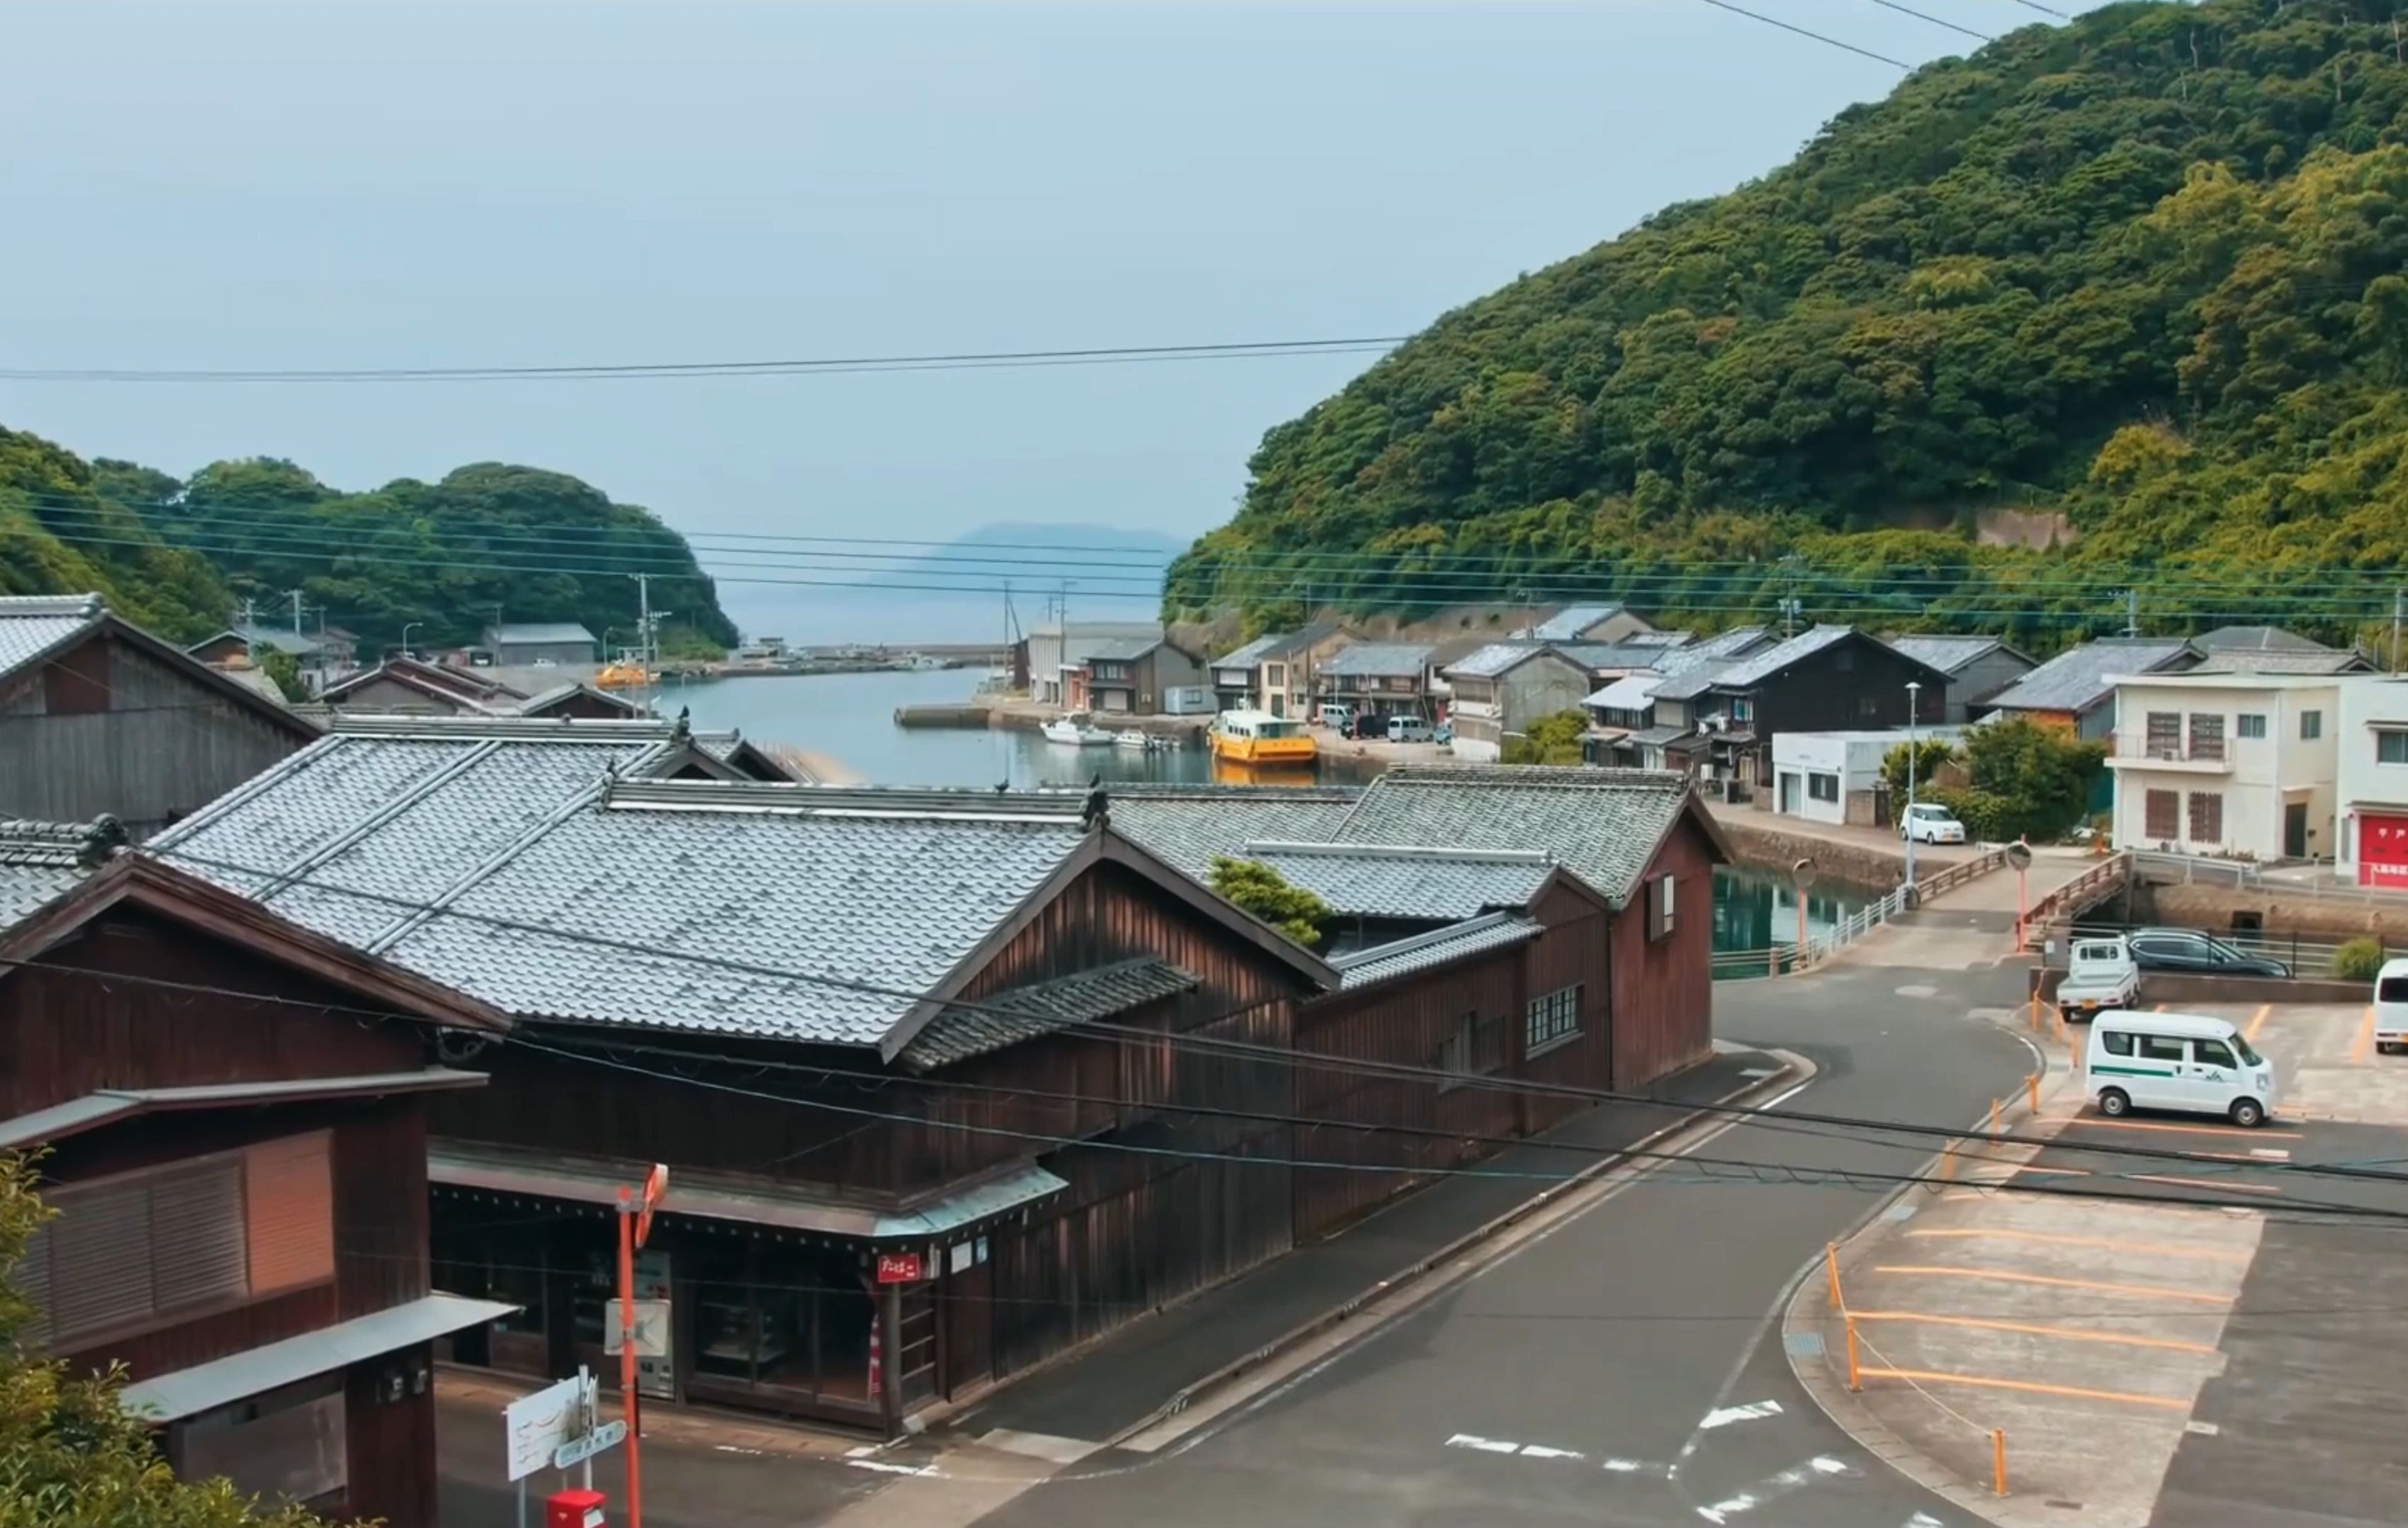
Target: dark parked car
[(2193, 953)]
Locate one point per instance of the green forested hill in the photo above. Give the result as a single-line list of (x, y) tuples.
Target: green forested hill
[(2147, 271), (178, 555)]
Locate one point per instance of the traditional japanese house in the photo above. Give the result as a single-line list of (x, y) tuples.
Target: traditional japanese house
[(230, 1112)]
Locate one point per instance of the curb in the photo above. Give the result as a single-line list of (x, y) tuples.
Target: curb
[(1807, 1314), (1795, 1069)]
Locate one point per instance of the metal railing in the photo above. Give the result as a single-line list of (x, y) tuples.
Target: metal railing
[(1948, 877), (2295, 879)]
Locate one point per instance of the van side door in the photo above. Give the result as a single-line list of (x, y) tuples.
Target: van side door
[(2213, 1076)]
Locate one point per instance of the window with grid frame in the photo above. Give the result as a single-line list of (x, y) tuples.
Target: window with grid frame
[(1821, 787), (2162, 810), (1552, 1018), (2206, 734), (2311, 726), (2165, 735), (2249, 724), (2206, 817), (1476, 1049), (2391, 746)]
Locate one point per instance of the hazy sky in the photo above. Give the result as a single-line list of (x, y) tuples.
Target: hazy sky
[(339, 184)]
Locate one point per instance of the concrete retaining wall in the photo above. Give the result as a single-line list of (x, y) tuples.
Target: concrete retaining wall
[(1765, 846), (2169, 987), (2213, 906)]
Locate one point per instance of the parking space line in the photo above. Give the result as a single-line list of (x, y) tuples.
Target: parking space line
[(2257, 1022), (2361, 1050), (2029, 1387), (2091, 1122), (2036, 1329), (2160, 1248), (2221, 1185), (2001, 1276)]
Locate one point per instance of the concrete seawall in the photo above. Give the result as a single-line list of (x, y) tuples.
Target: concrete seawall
[(982, 715), (1761, 845)]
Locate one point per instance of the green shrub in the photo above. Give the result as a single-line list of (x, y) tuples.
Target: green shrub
[(2359, 960), (1989, 816)]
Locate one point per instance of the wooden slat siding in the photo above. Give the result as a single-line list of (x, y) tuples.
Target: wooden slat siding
[(1574, 949), (391, 1444), (102, 1241), (1663, 992), (1408, 1023), (380, 1207), (289, 1195), (968, 1300), (64, 1034), (166, 743), (75, 683), (199, 1252)]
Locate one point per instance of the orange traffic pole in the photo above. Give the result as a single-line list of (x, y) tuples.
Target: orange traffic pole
[(1994, 1118), (1948, 1161), (1998, 1461), (628, 1354), (1856, 1374), (1831, 1265), (2032, 1091)]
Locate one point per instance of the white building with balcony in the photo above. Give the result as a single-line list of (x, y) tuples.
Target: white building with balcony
[(2233, 765), (2372, 741)]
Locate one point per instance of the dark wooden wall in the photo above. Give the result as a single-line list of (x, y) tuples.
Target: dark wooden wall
[(66, 1033), (390, 1444), (1575, 949), (1663, 991), (1849, 685)]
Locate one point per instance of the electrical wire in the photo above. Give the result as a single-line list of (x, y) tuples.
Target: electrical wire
[(1935, 20), (1826, 41)]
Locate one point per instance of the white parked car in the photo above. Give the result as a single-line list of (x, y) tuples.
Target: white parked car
[(1929, 822)]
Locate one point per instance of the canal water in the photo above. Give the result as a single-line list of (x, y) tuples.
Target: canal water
[(850, 718)]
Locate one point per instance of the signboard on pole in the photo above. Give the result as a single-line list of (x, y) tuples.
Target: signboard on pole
[(899, 1268), (535, 1426), (652, 1328), (578, 1451)]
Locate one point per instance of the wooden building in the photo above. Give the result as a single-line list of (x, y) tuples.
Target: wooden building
[(1827, 678), (100, 717), (231, 1109)]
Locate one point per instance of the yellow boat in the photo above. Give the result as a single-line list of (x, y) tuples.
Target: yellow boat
[(1258, 737), (623, 675)]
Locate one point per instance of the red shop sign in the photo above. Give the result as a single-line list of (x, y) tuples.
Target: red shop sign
[(899, 1268)]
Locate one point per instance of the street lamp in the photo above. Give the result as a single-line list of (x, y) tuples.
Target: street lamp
[(1913, 768), (406, 627)]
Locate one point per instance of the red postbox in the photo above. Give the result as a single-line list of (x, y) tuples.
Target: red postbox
[(573, 1510)]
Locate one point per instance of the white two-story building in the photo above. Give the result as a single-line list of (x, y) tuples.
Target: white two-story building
[(2371, 784), (2233, 765)]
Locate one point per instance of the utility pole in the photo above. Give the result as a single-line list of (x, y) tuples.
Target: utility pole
[(644, 617), (296, 613), (2397, 598), (2131, 612)]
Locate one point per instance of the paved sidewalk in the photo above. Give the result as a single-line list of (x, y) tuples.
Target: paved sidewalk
[(1124, 1380)]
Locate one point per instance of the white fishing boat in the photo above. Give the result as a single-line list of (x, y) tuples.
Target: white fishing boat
[(1075, 733), (1144, 741)]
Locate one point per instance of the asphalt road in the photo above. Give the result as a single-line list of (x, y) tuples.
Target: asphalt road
[(1625, 1370)]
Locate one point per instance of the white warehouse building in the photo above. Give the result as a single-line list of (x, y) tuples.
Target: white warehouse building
[(1833, 776)]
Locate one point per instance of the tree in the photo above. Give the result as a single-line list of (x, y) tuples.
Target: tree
[(285, 669), (1552, 739), (69, 1455), (1265, 892), (1930, 754), (2029, 780)]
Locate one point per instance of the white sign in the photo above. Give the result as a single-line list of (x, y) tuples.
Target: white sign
[(537, 1425), (652, 1328), (578, 1451)]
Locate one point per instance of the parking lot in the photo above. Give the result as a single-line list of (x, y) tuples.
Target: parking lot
[(2180, 1324)]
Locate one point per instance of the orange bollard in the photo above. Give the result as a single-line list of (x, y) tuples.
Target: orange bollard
[(1998, 1461), (1856, 1374), (2032, 1091), (1831, 1265), (1948, 1163), (1994, 1118)]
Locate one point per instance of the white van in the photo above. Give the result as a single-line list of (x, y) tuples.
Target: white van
[(1410, 729), (1337, 715), (2178, 1061), (2391, 1006)]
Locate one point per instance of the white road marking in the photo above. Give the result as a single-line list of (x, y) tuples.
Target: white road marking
[(1624, 1466), (2272, 1153), (1918, 990), (862, 1452), (1923, 1520), (1540, 1450), (1044, 1446), (2204, 1429), (732, 1448), (1485, 1445), (1729, 1414), (1771, 1488), (1760, 1071), (884, 1468), (1526, 1451)]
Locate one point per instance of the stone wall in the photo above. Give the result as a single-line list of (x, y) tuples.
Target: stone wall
[(1762, 845), (2282, 911)]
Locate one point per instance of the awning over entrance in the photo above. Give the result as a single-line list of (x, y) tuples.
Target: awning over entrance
[(725, 1196), (205, 1387)]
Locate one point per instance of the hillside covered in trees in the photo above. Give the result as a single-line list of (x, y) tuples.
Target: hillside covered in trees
[(2143, 277), (179, 555)]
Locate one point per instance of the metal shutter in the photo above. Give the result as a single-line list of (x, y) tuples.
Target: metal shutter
[(290, 1200), (100, 1251), (200, 1254)]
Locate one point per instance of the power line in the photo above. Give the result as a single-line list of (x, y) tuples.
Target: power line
[(1826, 41), (826, 365), (2045, 11), (1925, 16)]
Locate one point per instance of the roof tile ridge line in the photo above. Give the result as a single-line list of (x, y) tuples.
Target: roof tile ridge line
[(416, 917), (1406, 853), (242, 795), (1411, 942), (299, 871)]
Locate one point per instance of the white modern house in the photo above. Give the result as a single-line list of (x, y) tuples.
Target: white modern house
[(2371, 781), (2235, 766), (1834, 777)]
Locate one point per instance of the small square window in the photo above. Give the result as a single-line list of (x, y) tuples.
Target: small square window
[(2249, 724), (2311, 726), (2391, 747)]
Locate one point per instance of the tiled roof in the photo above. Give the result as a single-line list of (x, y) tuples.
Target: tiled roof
[(1186, 826), (646, 915), (538, 631), (543, 701), (1383, 881), (1500, 657), (1756, 667), (1628, 654), (1573, 620), (2256, 639), (1719, 648), (1379, 658), (1381, 963), (1023, 1013), (1659, 737), (33, 624), (2079, 678), (1249, 656), (40, 861), (2285, 660), (1631, 692), (1121, 649), (1942, 650), (1602, 825)]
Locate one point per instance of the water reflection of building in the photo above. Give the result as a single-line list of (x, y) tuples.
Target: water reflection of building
[(1755, 909)]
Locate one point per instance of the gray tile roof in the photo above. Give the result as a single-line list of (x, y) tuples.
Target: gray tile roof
[(1723, 646), (1601, 823), (1185, 826), (1024, 1013), (1383, 881), (1630, 692), (1631, 654), (32, 624), (698, 920), (1756, 667), (1495, 659), (1382, 963), (41, 862), (2256, 639), (1659, 737), (1249, 656), (2078, 679), (1111, 649), (1573, 620), (1945, 651), (2285, 660), (538, 631), (1379, 659)]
